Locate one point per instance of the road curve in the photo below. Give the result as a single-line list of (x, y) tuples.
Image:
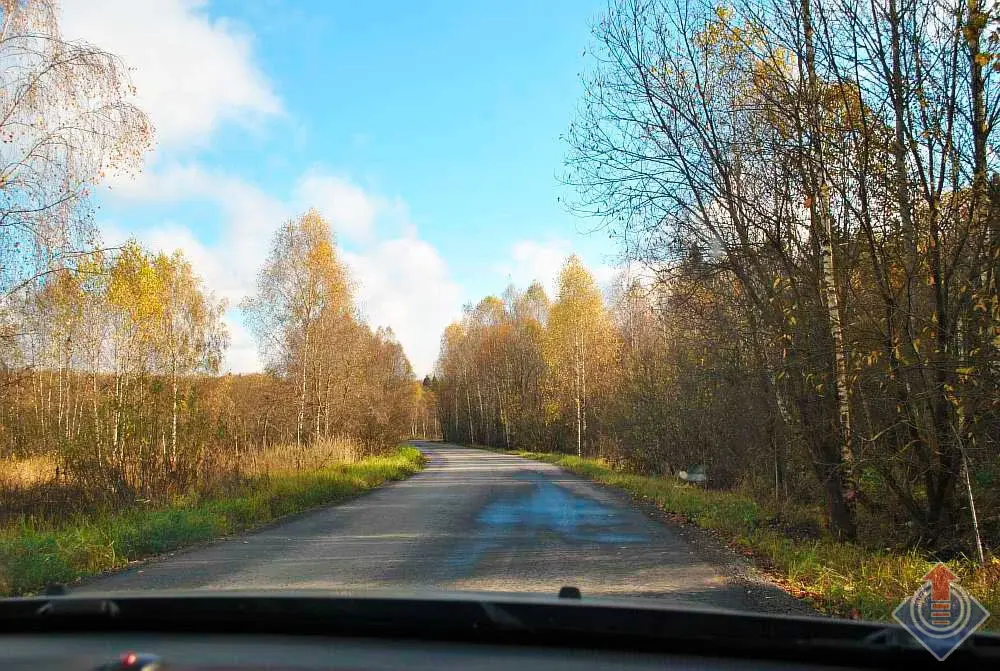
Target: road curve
[(472, 520)]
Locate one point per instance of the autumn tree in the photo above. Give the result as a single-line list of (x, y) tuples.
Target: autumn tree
[(301, 287), (349, 380), (517, 371), (191, 330), (65, 121), (815, 174), (109, 357), (424, 423), (579, 348), (491, 374)]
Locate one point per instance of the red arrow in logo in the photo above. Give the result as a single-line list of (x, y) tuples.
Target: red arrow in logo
[(940, 577)]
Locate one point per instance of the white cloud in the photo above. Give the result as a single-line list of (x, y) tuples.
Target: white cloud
[(249, 218), (241, 356), (613, 279), (192, 73), (219, 276), (532, 260), (349, 209), (404, 283)]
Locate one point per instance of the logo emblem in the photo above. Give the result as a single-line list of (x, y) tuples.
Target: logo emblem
[(941, 614)]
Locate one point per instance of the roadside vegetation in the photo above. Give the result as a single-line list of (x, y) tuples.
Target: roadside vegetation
[(118, 435), (282, 480), (121, 440), (807, 193)]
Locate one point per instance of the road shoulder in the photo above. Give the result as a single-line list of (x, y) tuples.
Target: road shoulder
[(760, 592)]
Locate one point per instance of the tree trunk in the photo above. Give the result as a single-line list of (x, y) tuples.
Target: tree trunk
[(583, 391), (488, 434), (841, 511), (579, 441), (972, 510), (840, 360), (577, 390), (302, 392), (503, 417), (842, 507), (468, 406), (173, 417), (97, 419)]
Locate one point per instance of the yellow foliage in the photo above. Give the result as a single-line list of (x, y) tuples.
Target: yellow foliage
[(581, 343)]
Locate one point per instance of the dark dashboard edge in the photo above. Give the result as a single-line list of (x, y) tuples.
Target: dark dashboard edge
[(579, 624)]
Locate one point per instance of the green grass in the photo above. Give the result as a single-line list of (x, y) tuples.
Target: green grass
[(33, 556), (842, 579)]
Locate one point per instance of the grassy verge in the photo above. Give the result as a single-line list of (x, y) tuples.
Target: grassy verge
[(33, 556), (842, 579)]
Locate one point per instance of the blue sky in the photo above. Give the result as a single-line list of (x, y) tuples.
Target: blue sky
[(427, 132)]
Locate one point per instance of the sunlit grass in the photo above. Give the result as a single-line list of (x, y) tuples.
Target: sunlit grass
[(33, 555), (842, 579), (321, 453), (26, 472)]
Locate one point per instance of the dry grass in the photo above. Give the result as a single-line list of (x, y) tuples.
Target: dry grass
[(35, 553), (288, 458), (27, 472), (33, 490)]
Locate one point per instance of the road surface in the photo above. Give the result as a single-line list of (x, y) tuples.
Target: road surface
[(472, 520)]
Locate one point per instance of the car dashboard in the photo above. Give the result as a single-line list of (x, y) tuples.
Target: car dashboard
[(78, 652), (230, 631)]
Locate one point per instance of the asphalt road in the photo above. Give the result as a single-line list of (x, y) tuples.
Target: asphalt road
[(472, 520)]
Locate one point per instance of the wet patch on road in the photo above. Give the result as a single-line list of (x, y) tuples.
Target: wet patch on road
[(543, 511)]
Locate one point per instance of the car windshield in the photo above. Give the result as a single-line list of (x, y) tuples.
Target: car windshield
[(685, 302)]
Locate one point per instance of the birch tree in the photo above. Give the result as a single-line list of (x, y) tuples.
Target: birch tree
[(579, 347), (66, 120), (301, 282), (191, 331)]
